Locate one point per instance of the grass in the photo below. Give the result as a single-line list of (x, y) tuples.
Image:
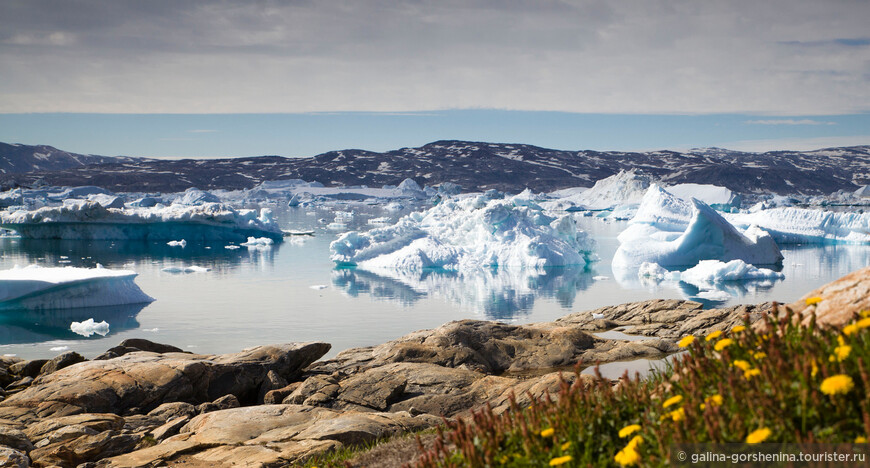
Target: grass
[(793, 384)]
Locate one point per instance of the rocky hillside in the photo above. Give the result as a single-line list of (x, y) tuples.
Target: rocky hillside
[(21, 159), (474, 166)]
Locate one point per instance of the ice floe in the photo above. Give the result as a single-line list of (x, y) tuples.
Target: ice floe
[(89, 220), (468, 234), (38, 288), (185, 269), (89, 327)]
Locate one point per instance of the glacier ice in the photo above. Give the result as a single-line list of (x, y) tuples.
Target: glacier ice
[(91, 221), (652, 236), (195, 196), (38, 288), (808, 226), (707, 273), (89, 327), (468, 234)]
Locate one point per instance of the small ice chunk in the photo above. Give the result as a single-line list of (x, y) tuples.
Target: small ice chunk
[(182, 243), (258, 242), (600, 278), (318, 286), (713, 295), (89, 327), (61, 348), (187, 269), (232, 247), (597, 316)]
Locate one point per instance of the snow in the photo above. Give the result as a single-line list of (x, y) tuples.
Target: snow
[(89, 220), (232, 247), (182, 243), (465, 235), (89, 327), (707, 236), (38, 288)]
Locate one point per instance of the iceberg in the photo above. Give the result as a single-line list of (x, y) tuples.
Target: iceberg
[(708, 236), (717, 197), (624, 188), (40, 288), (706, 274), (89, 327), (195, 196), (91, 221), (107, 201), (808, 226), (468, 234)]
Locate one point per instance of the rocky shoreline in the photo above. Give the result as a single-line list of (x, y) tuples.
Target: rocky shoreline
[(144, 404)]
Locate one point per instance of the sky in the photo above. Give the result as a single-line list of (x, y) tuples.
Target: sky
[(298, 77)]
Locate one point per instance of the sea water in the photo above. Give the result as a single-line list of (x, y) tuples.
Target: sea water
[(292, 292)]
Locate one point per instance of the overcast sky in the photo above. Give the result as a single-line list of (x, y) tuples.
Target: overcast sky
[(789, 57)]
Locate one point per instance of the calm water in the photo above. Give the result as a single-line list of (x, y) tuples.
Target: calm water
[(253, 297)]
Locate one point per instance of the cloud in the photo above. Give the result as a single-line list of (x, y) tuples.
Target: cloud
[(635, 56), (788, 122)]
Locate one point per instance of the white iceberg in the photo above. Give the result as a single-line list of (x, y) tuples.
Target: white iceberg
[(39, 288), (182, 243), (708, 273), (720, 198), (91, 221), (624, 188), (467, 234), (195, 196), (808, 226), (107, 201), (708, 236), (89, 327), (185, 269)]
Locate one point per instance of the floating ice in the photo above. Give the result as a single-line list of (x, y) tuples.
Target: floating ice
[(623, 189), (708, 236), (318, 286), (655, 271), (806, 226), (710, 272), (182, 243), (60, 348), (720, 198), (89, 327), (39, 288), (258, 241), (185, 269), (107, 201), (232, 247), (195, 196), (89, 220), (467, 234)]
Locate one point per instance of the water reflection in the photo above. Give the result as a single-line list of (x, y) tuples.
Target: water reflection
[(29, 326), (80, 253), (497, 294)]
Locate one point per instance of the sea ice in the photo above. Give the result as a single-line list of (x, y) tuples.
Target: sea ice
[(89, 327), (89, 220), (467, 234), (182, 243), (38, 288)]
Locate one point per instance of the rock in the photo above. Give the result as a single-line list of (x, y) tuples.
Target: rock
[(65, 433), (11, 458), (14, 438), (170, 428), (375, 388), (61, 361), (6, 376), (273, 382), (168, 411), (146, 380), (314, 385), (274, 397), (224, 402), (840, 300), (19, 384), (87, 448), (94, 421), (150, 346), (27, 368)]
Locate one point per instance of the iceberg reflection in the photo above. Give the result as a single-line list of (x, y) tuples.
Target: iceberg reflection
[(497, 294), (29, 326)]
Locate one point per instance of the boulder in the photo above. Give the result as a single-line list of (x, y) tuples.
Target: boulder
[(27, 368), (11, 458), (840, 301), (87, 448), (168, 411), (61, 361), (145, 380), (224, 402), (11, 437)]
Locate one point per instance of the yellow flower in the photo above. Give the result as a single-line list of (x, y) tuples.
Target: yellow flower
[(865, 313), (860, 440), (836, 384), (504, 460), (751, 373), (863, 323), (715, 400), (548, 432), (629, 430), (850, 329), (565, 446), (723, 343), (813, 300), (815, 369), (627, 456), (758, 355), (686, 341), (743, 365), (560, 460), (738, 329), (842, 352), (635, 441), (678, 414), (714, 335), (674, 400), (758, 435)]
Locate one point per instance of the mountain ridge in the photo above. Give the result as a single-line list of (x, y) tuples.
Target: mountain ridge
[(472, 165)]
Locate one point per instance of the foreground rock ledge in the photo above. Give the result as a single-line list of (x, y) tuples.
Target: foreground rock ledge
[(275, 405)]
